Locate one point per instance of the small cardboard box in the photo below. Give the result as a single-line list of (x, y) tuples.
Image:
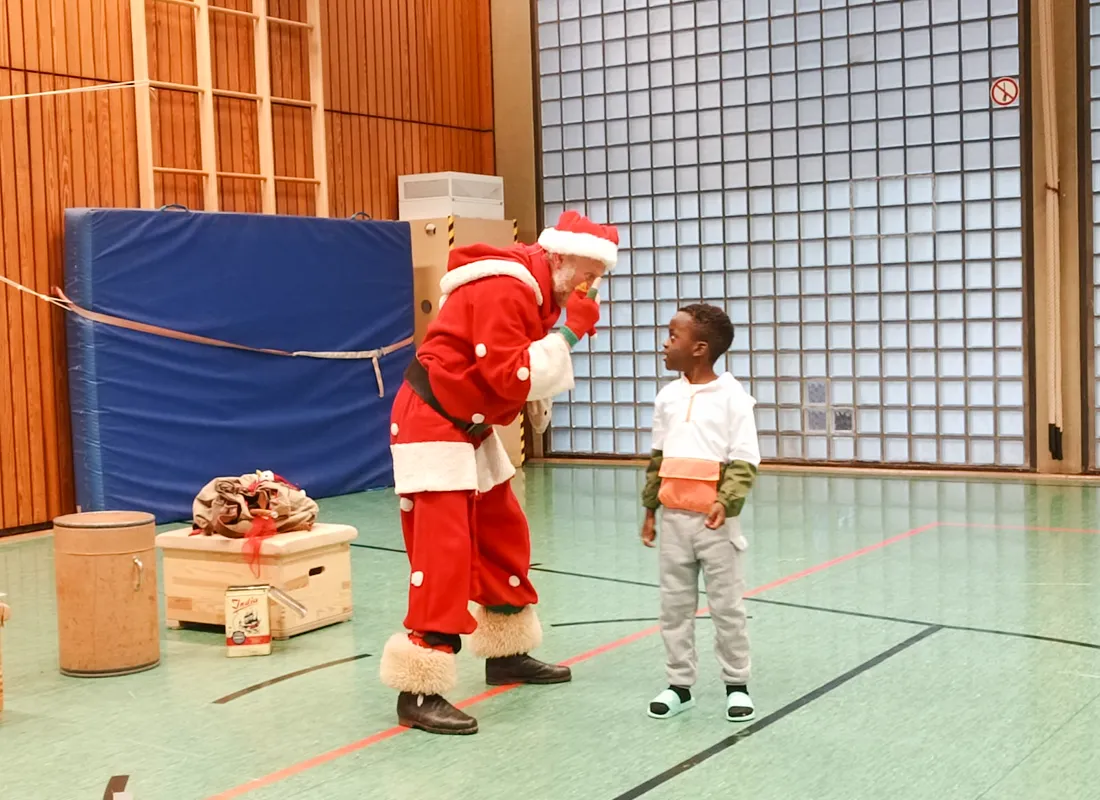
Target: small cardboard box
[(247, 621)]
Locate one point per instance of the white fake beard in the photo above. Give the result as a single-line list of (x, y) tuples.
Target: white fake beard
[(563, 284)]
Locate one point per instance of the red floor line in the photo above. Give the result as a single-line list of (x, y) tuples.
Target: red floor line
[(855, 554), (352, 747), (302, 766)]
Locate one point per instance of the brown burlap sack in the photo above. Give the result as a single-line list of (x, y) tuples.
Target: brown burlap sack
[(259, 504)]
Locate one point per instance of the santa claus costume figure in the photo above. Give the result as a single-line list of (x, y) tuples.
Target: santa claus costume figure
[(494, 348)]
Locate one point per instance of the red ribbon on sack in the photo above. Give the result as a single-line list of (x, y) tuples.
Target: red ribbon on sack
[(262, 527)]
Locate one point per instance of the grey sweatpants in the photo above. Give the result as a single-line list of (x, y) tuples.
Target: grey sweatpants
[(686, 544)]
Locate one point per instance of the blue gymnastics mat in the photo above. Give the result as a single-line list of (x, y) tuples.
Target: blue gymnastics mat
[(155, 418)]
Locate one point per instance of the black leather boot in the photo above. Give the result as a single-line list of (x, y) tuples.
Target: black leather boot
[(434, 714), (524, 669)]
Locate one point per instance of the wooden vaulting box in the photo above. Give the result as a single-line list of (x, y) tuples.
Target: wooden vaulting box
[(313, 567), (432, 241)]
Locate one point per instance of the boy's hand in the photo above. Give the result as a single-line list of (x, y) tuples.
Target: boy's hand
[(717, 516), (649, 529)]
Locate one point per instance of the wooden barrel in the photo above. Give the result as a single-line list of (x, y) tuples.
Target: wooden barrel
[(105, 568)]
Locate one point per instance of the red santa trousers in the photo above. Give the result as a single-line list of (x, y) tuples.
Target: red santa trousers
[(465, 532), (464, 546)]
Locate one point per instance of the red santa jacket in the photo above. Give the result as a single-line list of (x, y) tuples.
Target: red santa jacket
[(492, 347)]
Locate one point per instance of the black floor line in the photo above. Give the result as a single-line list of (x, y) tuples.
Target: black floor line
[(535, 567), (534, 564), (776, 716), (604, 578), (601, 622), (842, 612), (606, 621), (822, 609), (288, 676), (946, 626), (378, 547)]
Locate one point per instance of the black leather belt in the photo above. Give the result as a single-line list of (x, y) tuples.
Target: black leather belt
[(417, 378)]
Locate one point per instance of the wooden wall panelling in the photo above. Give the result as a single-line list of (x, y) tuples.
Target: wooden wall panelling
[(290, 76), (411, 93), (34, 218), (237, 119), (9, 329), (55, 152), (171, 49), (265, 139), (18, 445), (243, 150), (407, 89)]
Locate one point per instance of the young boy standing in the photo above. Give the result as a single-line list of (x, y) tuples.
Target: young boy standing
[(704, 463)]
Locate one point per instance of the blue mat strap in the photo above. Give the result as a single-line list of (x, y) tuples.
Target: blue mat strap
[(157, 330)]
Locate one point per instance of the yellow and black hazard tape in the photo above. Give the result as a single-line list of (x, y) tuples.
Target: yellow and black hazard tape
[(450, 232)]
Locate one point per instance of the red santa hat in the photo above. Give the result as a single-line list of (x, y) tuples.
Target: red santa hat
[(577, 235)]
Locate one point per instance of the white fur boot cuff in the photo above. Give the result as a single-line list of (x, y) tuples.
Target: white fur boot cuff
[(500, 635)]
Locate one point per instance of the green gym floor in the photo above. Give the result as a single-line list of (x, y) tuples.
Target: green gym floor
[(912, 638)]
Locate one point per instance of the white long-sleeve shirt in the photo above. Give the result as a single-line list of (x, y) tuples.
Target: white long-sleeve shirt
[(710, 421)]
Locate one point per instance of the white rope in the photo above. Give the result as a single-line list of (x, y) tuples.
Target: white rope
[(99, 87)]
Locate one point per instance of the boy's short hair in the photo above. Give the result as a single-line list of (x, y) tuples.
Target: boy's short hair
[(713, 326)]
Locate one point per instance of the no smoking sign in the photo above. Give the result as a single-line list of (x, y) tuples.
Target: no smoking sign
[(1004, 91)]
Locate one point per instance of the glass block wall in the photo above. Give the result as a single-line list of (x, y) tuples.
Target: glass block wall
[(834, 173)]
